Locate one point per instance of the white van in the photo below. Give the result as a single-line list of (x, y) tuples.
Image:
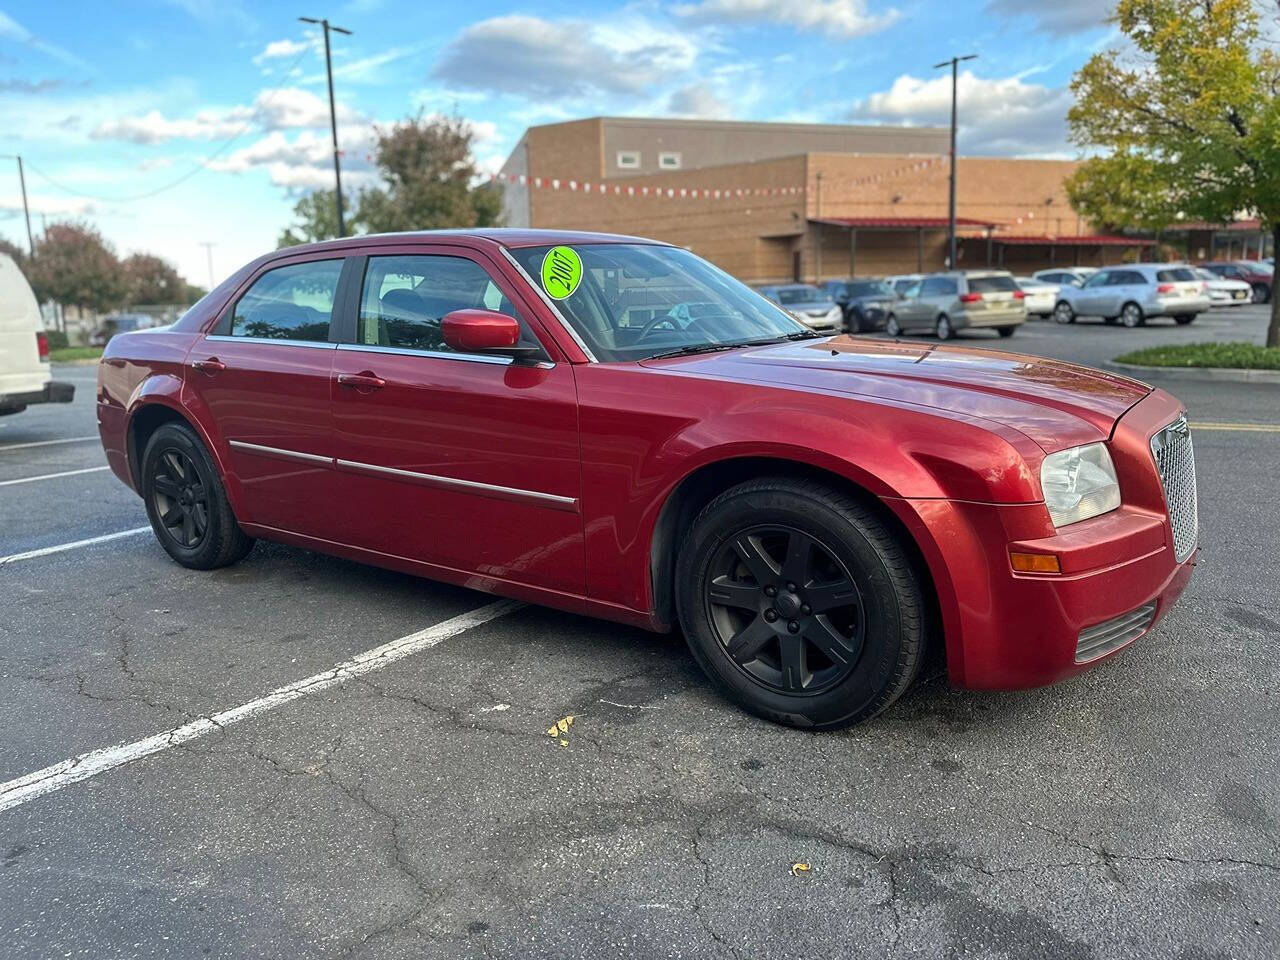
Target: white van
[(24, 348)]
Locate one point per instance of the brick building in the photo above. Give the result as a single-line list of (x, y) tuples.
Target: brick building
[(772, 202)]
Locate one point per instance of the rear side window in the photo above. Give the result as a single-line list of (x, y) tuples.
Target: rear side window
[(405, 298), (1176, 274), (995, 284), (938, 287), (289, 303)]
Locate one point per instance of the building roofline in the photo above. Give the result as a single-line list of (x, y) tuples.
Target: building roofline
[(865, 128)]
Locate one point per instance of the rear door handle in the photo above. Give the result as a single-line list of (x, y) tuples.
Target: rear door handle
[(366, 380), (211, 366)]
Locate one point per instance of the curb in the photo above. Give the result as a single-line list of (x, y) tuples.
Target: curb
[(1219, 374)]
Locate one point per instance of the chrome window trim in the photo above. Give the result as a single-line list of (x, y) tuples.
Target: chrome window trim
[(436, 354), (551, 304), (278, 452), (544, 499), (230, 338)]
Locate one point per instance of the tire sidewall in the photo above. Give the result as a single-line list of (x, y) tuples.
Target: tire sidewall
[(172, 436), (862, 692), (943, 328), (892, 327), (1126, 314)]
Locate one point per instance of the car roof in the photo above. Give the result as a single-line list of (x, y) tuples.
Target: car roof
[(501, 236)]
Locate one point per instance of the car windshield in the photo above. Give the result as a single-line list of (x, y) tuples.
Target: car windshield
[(634, 301), (869, 288), (799, 294)]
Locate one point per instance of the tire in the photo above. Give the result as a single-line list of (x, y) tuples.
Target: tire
[(877, 621), (854, 322), (1261, 293), (1005, 331), (1131, 315), (187, 503), (892, 327), (1063, 313), (1184, 319), (943, 328)]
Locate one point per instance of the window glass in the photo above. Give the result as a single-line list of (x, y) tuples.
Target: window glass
[(800, 294), (1099, 279), (996, 284), (1176, 274), (938, 287), (405, 297), (628, 159), (289, 303), (868, 288), (669, 161)]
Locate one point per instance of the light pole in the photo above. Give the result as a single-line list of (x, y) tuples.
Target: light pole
[(951, 206), (26, 210), (333, 114)]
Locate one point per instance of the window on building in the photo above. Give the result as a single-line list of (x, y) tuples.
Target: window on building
[(628, 159), (669, 161)]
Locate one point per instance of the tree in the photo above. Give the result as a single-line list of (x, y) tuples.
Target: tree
[(1191, 121), (150, 279), (316, 218), (73, 265), (15, 252), (428, 179)]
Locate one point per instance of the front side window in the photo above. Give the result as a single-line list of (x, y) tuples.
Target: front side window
[(631, 301), (405, 298), (289, 303), (1099, 279)]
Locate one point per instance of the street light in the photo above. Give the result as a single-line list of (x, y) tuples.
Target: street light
[(951, 216), (333, 114)]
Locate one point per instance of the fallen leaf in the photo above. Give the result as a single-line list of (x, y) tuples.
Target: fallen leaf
[(799, 868), (560, 726)]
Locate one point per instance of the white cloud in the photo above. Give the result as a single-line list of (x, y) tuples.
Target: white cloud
[(1001, 116), (10, 29), (564, 59), (53, 206), (842, 18), (281, 49), (696, 100), (272, 109), (1070, 17), (366, 69)]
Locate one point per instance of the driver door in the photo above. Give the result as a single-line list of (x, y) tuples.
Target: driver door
[(1091, 301)]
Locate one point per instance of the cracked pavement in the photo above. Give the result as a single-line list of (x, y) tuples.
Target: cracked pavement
[(422, 810)]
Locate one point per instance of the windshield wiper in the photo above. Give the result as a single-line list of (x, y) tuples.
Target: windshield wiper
[(692, 348)]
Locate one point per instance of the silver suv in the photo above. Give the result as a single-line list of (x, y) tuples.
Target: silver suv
[(947, 302), (1132, 293)]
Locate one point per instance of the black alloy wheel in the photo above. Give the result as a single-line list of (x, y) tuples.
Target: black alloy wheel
[(786, 610), (179, 498)]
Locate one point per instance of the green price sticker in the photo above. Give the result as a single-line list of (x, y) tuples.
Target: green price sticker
[(561, 272)]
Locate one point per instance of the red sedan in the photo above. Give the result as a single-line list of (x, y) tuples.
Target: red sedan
[(615, 427)]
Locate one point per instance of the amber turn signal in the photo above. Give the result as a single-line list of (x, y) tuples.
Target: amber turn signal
[(1035, 562)]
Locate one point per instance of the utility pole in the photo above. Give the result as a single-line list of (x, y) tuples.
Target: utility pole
[(26, 209), (951, 206), (333, 115), (208, 249)]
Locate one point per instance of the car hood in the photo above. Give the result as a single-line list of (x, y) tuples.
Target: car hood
[(1053, 403)]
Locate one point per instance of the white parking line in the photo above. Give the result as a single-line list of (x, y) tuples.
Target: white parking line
[(74, 545), (51, 476), (44, 443), (86, 765)]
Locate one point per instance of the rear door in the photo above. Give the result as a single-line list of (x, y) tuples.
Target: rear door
[(263, 375), (469, 461)]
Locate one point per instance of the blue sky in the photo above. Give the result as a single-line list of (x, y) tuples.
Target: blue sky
[(109, 103)]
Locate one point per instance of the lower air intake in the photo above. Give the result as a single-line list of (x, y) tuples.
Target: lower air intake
[(1100, 639)]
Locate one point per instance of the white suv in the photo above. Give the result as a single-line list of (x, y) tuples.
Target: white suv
[(24, 348)]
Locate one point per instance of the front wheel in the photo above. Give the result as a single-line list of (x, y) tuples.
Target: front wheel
[(1261, 293), (1062, 313), (1005, 331), (892, 327), (944, 330), (1186, 318), (800, 603), (186, 502), (1131, 315)]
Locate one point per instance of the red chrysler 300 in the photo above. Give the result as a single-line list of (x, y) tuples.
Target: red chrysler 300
[(613, 426)]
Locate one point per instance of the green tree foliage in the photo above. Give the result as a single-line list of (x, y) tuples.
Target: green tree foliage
[(316, 218), (1190, 120), (150, 279), (16, 253), (74, 265)]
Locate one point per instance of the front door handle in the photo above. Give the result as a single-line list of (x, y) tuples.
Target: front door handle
[(211, 366), (366, 380)]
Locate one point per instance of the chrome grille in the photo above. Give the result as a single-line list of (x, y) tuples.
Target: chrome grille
[(1176, 462), (1102, 638)]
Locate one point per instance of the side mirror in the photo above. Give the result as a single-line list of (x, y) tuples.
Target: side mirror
[(484, 331)]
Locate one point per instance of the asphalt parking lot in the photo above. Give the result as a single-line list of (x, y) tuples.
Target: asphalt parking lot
[(417, 807)]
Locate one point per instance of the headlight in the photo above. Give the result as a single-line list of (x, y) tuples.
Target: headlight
[(1079, 483)]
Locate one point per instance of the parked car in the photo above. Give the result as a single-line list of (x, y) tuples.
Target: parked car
[(1041, 295), (1260, 276), (902, 282), (1134, 293), (492, 408), (808, 304), (24, 347), (866, 303), (1065, 276), (960, 300), (118, 323), (1224, 292)]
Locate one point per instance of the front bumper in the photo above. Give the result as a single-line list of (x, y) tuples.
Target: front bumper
[(55, 391), (1008, 630)]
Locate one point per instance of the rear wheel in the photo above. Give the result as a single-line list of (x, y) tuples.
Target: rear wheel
[(854, 322), (186, 502), (1261, 293), (943, 328), (892, 327), (1062, 313), (1186, 318), (1131, 315), (1005, 331), (800, 604)]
